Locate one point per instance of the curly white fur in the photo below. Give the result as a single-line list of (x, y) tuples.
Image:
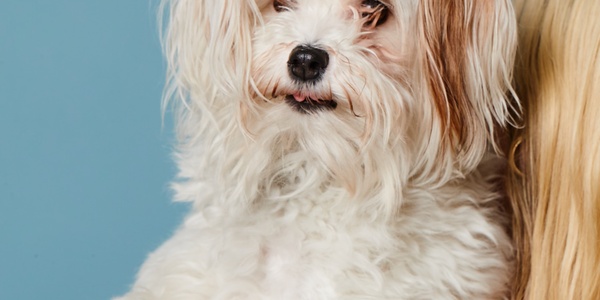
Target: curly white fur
[(391, 195)]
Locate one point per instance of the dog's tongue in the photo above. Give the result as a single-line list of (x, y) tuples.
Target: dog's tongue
[(299, 97)]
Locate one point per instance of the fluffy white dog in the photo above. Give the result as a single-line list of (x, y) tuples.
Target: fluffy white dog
[(337, 149)]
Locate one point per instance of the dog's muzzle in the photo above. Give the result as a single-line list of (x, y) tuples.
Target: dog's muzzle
[(307, 64)]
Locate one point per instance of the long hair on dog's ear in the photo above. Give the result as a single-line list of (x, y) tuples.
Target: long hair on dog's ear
[(207, 46), (201, 37), (467, 60), (555, 180), (208, 35)]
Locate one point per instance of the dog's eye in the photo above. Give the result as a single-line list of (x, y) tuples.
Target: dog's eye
[(374, 12), (371, 3), (280, 5)]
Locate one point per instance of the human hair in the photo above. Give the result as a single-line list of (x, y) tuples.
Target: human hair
[(554, 181)]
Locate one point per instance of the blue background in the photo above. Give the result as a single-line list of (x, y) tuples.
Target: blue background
[(84, 158)]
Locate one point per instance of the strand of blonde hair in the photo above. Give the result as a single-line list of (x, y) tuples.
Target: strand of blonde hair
[(556, 199)]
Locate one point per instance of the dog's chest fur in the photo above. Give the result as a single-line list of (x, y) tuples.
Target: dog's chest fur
[(442, 244)]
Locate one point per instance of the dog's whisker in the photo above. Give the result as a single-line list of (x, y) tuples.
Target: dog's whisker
[(349, 99), (274, 91)]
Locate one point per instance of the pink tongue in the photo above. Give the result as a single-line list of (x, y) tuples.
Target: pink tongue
[(299, 97)]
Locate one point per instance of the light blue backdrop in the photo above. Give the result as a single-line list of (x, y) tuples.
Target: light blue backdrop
[(84, 161)]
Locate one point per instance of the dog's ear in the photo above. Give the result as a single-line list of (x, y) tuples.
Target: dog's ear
[(467, 58), (207, 44)]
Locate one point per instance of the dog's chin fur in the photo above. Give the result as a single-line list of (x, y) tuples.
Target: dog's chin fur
[(382, 184)]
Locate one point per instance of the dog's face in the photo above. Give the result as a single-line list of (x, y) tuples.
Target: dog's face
[(345, 55)]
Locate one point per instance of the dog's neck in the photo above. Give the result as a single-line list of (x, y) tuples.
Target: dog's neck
[(271, 163)]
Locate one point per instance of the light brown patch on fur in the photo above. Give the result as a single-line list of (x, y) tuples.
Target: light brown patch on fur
[(447, 28)]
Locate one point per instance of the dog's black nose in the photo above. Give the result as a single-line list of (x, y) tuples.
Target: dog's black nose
[(307, 63)]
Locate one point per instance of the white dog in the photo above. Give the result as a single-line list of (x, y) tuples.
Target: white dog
[(337, 149)]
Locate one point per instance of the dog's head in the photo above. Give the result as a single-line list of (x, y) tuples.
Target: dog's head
[(428, 76)]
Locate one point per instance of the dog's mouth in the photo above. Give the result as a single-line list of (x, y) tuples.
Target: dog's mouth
[(309, 104)]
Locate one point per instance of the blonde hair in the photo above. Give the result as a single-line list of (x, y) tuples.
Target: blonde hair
[(554, 183)]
